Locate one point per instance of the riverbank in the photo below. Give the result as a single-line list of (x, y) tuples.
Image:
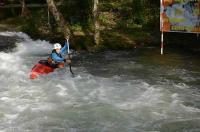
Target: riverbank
[(112, 37)]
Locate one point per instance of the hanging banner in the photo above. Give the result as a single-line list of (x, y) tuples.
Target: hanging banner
[(180, 16)]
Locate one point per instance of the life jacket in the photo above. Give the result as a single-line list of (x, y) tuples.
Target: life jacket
[(50, 59)]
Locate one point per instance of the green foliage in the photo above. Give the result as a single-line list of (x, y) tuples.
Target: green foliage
[(145, 12), (76, 27), (107, 19), (78, 11), (103, 18), (30, 27), (137, 11), (137, 7), (128, 16), (8, 13), (105, 6)]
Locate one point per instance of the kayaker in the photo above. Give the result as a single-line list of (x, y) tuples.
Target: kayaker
[(56, 59)]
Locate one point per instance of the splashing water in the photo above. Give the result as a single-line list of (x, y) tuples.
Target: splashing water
[(112, 92)]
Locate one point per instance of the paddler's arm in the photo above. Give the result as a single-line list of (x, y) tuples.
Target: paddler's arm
[(64, 49), (55, 57)]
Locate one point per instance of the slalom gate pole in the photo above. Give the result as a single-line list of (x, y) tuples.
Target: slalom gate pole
[(162, 45)]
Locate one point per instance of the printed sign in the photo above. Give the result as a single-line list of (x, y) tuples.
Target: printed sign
[(180, 16)]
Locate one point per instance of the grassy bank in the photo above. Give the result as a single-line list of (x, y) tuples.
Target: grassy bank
[(119, 29)]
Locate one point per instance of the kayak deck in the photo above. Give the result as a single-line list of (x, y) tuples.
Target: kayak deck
[(41, 68)]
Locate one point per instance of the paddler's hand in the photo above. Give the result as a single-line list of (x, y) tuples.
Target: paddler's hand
[(67, 39)]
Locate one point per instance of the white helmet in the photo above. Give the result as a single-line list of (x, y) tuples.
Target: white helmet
[(57, 46)]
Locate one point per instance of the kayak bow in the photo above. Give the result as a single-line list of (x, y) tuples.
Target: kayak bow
[(41, 68)]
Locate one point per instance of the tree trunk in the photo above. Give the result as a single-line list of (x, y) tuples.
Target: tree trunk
[(59, 18), (25, 12), (96, 22)]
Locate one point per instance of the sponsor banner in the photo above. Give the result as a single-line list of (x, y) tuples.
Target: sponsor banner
[(180, 16)]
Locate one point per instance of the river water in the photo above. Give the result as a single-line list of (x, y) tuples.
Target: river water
[(112, 91)]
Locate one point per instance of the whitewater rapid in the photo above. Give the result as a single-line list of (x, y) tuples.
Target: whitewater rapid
[(109, 93)]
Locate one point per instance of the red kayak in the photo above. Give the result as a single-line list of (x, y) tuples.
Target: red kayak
[(41, 68)]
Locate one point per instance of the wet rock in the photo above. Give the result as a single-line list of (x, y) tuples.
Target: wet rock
[(7, 42)]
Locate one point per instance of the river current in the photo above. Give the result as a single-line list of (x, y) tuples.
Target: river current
[(112, 91)]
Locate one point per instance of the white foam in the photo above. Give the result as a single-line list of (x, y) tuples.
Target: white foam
[(9, 62), (16, 34), (4, 98), (149, 98), (21, 108), (181, 86), (11, 116), (42, 107), (62, 91), (174, 96)]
